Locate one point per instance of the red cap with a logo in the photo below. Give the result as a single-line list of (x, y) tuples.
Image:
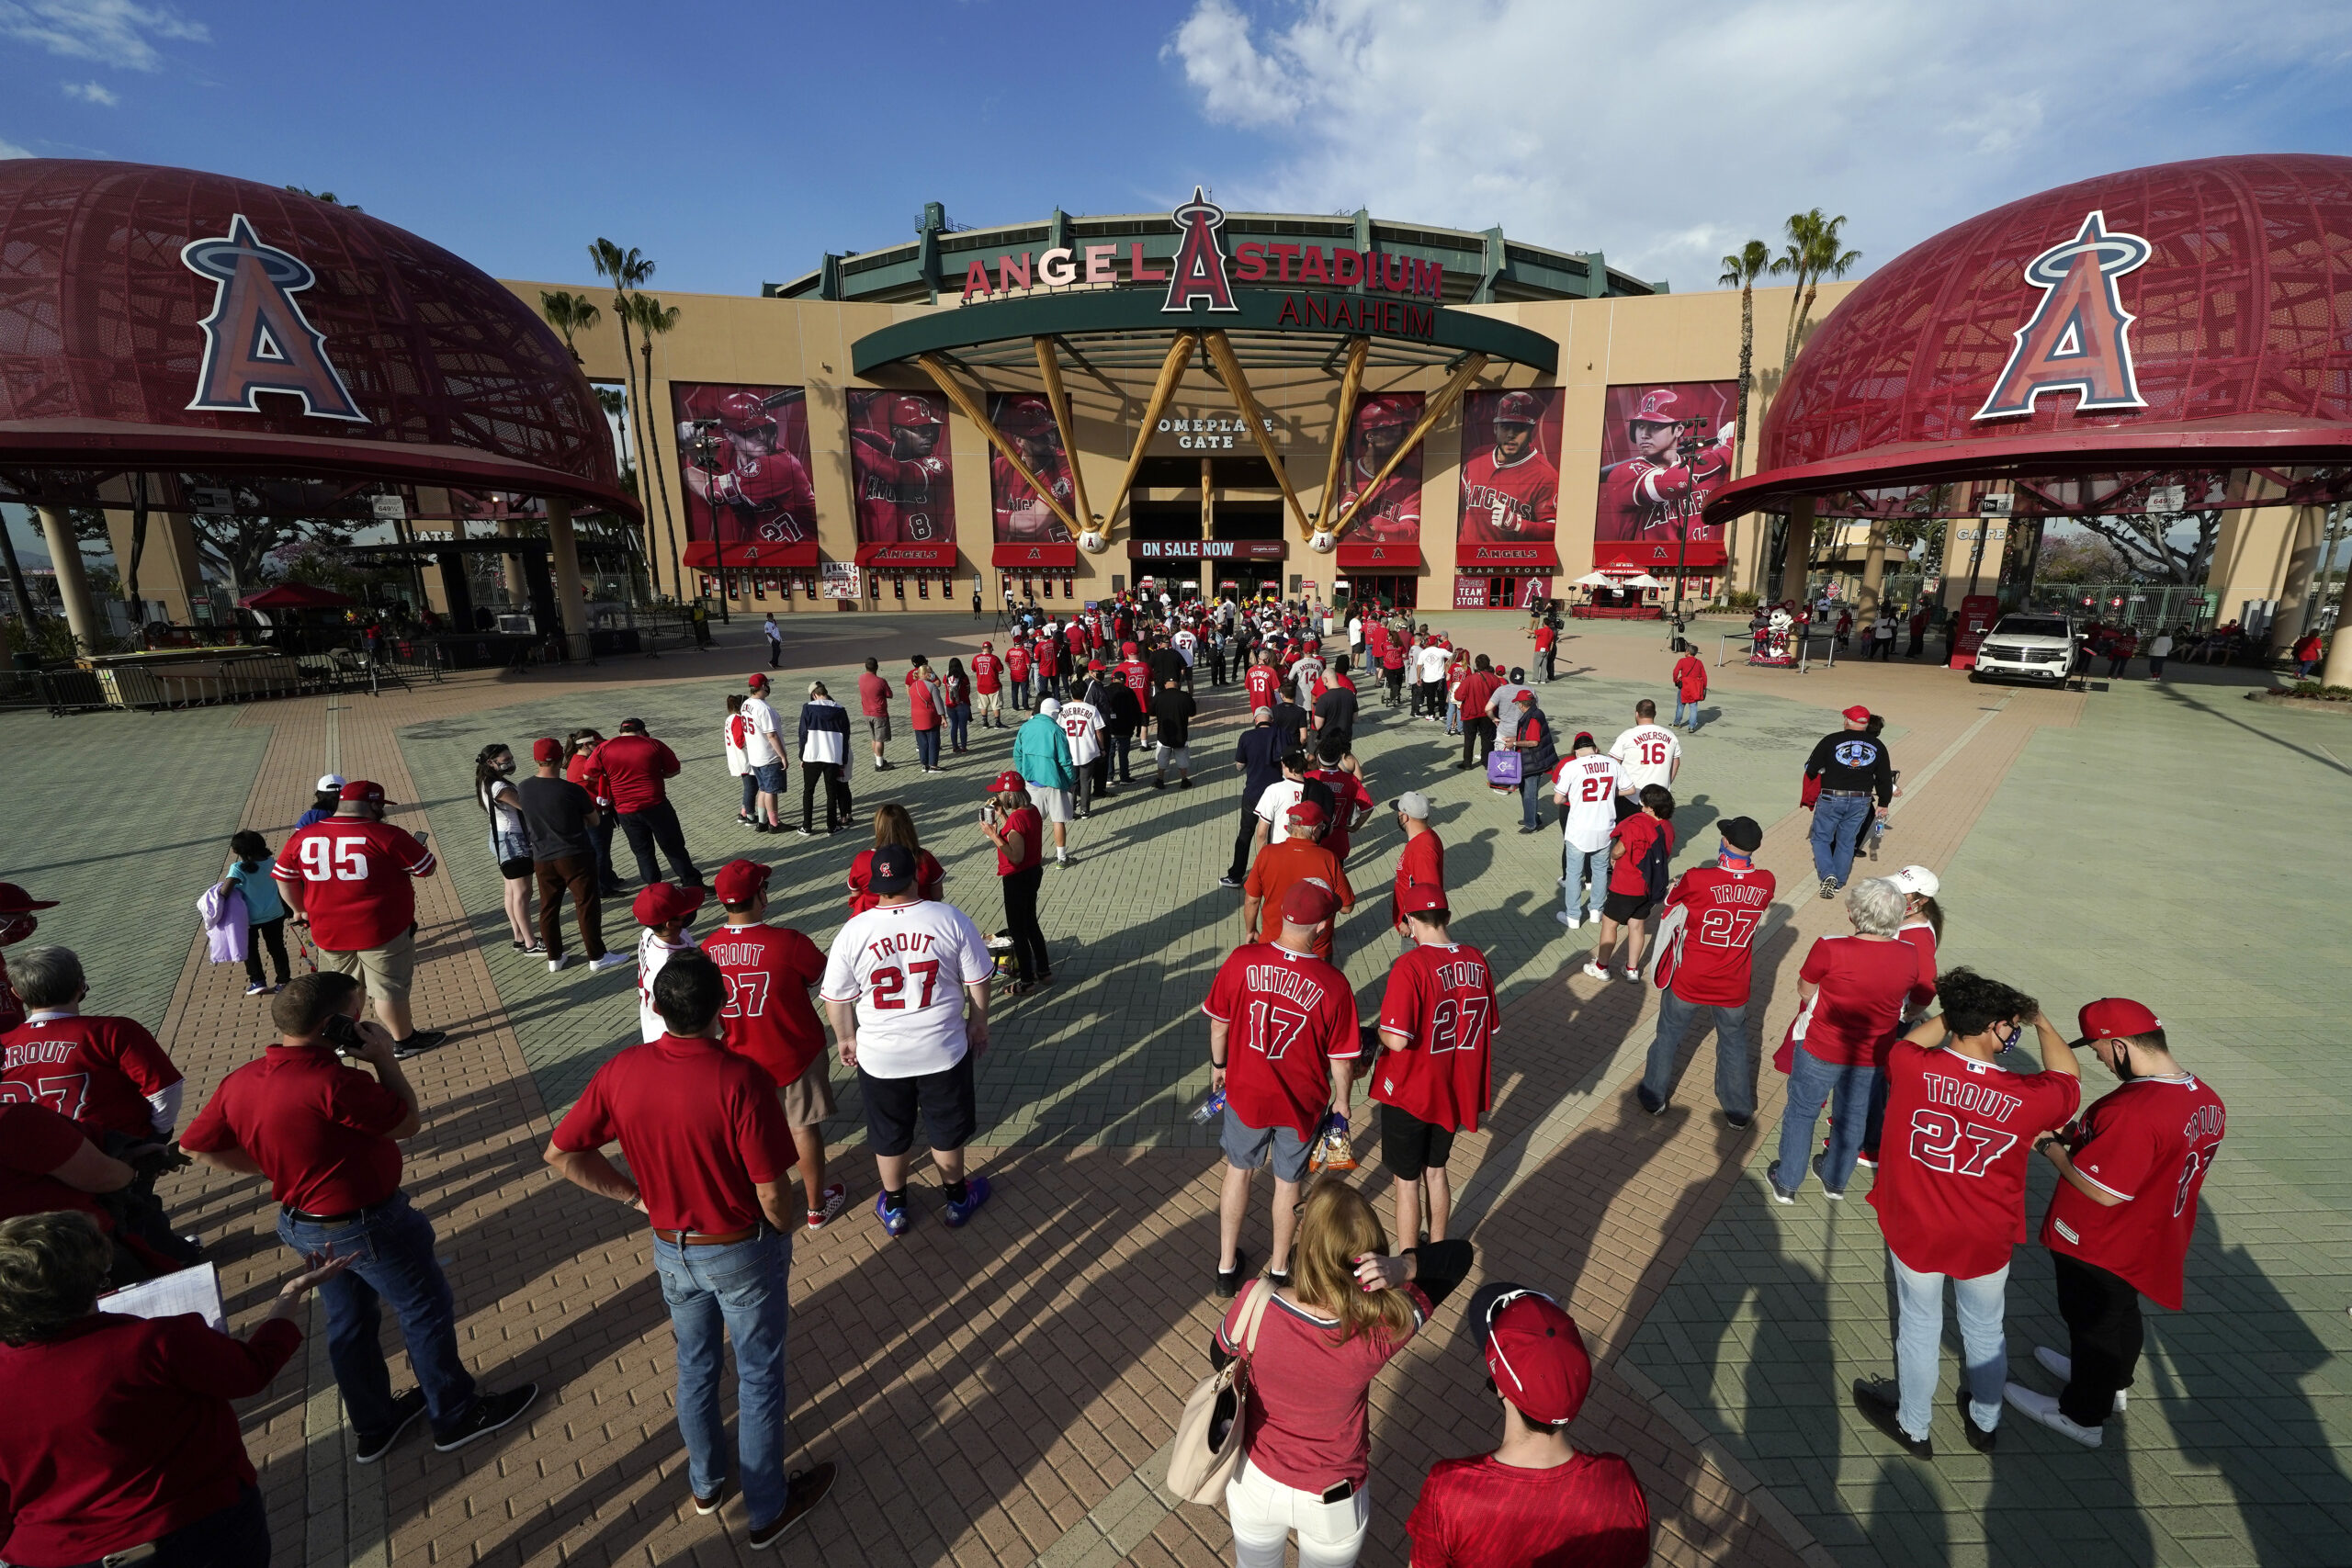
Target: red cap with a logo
[(1536, 1357), (363, 789), (2116, 1018), (663, 902), (741, 881)]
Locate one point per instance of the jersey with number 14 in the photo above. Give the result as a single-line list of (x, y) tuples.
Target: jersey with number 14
[(1441, 998), (1712, 959)]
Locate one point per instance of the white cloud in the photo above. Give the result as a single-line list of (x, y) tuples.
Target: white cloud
[(10, 150), (1667, 137), (120, 33), (91, 93)]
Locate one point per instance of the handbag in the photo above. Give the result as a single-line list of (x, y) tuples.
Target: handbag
[(1503, 769), (1207, 1448)]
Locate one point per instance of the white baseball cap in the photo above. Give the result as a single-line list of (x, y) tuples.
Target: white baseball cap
[(1049, 707), (1918, 880), (330, 781)]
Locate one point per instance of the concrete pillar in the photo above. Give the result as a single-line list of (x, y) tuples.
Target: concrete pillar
[(563, 555), (1798, 553), (1874, 572), (510, 568), (2337, 670), (72, 583)]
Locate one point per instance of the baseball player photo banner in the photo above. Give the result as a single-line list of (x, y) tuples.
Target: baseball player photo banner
[(901, 473), (1664, 450), (1385, 527), (1028, 531), (1510, 482), (744, 455)]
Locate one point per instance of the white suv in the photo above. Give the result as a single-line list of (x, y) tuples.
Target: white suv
[(2039, 648)]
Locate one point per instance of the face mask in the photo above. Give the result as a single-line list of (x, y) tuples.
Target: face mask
[(505, 767)]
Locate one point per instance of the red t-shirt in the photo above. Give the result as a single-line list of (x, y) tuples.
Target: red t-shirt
[(1951, 1163), (1481, 1513), (121, 1430), (1290, 1015), (34, 1141), (769, 1017), (1280, 867), (923, 707), (319, 1130), (2150, 1142), (1261, 680), (1421, 865), (1712, 964), (356, 878), (984, 672), (929, 879), (1636, 832), (873, 694), (1442, 1000), (1544, 637), (1478, 689), (1048, 656), (1023, 820), (698, 1124), (1308, 1421), (1864, 985), (99, 1071), (1354, 800), (1690, 678), (1017, 663), (629, 769)]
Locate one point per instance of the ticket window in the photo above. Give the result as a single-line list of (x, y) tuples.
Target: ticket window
[(760, 589), (1070, 588), (922, 587)]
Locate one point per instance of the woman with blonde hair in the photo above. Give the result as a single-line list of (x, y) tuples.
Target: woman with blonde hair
[(894, 824), (1307, 1433)]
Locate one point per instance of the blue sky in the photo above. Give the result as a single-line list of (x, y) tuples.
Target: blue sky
[(735, 143)]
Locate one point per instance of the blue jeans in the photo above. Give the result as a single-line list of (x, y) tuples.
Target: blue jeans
[(751, 791), (1588, 882), (1920, 1331), (959, 725), (1453, 718), (926, 755), (1122, 748), (1019, 690), (392, 1253), (1734, 1058), (1837, 824), (738, 1293), (1687, 714), (1847, 1090), (1532, 791)]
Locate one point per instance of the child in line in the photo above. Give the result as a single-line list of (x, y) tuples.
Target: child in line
[(248, 875), (664, 909)]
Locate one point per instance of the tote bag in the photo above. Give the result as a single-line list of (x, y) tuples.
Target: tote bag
[(1207, 1449)]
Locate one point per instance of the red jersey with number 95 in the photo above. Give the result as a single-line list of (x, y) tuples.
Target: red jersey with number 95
[(1443, 999), (768, 1016), (354, 876), (1951, 1162), (1289, 1015), (2150, 1142), (1711, 959)]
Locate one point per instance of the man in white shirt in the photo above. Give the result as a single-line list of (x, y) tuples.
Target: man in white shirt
[(1276, 799), (1303, 674), (1188, 648), (1648, 753), (764, 753), (1432, 663), (1082, 722), (663, 910), (1355, 634), (907, 988), (1587, 785), (1503, 707)]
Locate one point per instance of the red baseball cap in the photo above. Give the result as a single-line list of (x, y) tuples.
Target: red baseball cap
[(546, 749), (1308, 903), (1421, 897), (1533, 1352), (2115, 1018), (663, 902), (1306, 813), (1005, 781), (1094, 664), (372, 792), (740, 881), (755, 679), (15, 900), (1857, 715)]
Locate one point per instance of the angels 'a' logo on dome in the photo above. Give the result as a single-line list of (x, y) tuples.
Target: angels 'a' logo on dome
[(2079, 338), (257, 339), (1199, 272)]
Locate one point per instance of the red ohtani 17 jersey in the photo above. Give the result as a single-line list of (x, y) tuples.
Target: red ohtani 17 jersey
[(1711, 960), (903, 500), (1508, 503), (1443, 999)]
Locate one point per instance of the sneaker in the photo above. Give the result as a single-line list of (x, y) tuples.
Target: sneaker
[(1736, 1123), (418, 1043), (256, 989), (558, 962), (1633, 974), (1228, 1281), (836, 1196), (1596, 971), (1828, 887), (490, 1412), (2062, 1367), (535, 950), (1571, 921), (1160, 784), (763, 828), (1183, 783), (1984, 1439), (1779, 1194), (811, 832), (1867, 1157), (405, 1410), (1877, 1399), (894, 1221), (2043, 1407), (1227, 882), (803, 1490), (975, 1192), (709, 1505), (1835, 1195), (1650, 1102), (610, 961)]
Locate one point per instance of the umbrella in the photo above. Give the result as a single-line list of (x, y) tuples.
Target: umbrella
[(297, 596), (1643, 581), (1596, 579)]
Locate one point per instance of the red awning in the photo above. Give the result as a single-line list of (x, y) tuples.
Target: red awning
[(924, 553), (297, 596), (752, 554), (1036, 556), (1508, 559), (1378, 558), (1657, 555)]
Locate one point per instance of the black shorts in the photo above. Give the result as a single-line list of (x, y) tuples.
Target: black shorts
[(1624, 907), (1409, 1146), (950, 1116)]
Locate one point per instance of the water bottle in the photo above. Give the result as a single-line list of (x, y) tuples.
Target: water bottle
[(1211, 1108)]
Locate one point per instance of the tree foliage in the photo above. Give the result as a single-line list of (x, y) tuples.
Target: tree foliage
[(2161, 547), (1814, 251)]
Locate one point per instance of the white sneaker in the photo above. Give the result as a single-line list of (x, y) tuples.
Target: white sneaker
[(1596, 971), (610, 961), (2062, 1367), (2043, 1407), (1571, 921), (557, 962), (1633, 975)]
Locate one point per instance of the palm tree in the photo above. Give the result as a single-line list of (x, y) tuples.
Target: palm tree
[(568, 313), (623, 269), (616, 407), (1742, 269), (653, 320), (1811, 254)]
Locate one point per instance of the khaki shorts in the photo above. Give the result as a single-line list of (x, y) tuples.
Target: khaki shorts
[(809, 1098), (878, 727), (1051, 804), (387, 971)]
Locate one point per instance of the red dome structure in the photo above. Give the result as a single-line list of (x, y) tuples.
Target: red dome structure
[(2185, 318), (161, 319)]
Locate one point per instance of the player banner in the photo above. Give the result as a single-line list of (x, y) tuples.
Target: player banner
[(744, 455), (1385, 528), (1510, 482), (1664, 450), (900, 473), (1028, 531)]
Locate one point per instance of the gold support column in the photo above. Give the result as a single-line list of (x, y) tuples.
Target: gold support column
[(1050, 371), (1171, 372), (971, 408), (563, 557), (72, 583), (1229, 367), (1796, 558), (1873, 571), (1436, 409), (1327, 505)]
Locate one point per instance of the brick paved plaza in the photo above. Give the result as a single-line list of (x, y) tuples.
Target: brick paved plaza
[(997, 1396)]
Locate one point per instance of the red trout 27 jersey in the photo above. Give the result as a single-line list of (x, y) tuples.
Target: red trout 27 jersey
[(1442, 1000), (1709, 962), (2150, 1142)]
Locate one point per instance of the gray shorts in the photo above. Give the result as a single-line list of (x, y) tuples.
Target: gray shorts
[(877, 726), (1051, 804), (1177, 757), (1246, 1147)]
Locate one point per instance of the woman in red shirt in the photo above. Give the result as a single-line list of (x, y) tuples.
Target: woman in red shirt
[(121, 1434), (923, 713), (1014, 826), (893, 824), (1306, 1434), (1851, 993)]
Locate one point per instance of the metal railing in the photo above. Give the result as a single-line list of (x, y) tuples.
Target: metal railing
[(1803, 664)]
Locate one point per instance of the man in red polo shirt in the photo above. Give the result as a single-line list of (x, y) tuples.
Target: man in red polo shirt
[(629, 771), (769, 1018), (1475, 695), (347, 879), (988, 685), (1436, 1071), (2119, 1225), (707, 1149), (874, 701), (327, 1138), (1706, 970)]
